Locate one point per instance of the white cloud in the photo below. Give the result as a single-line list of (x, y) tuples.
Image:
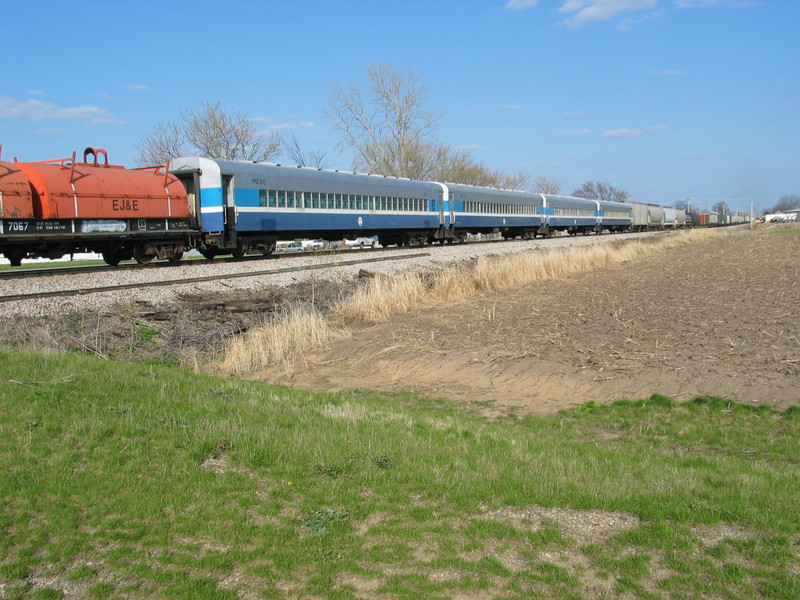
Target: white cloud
[(471, 147), (520, 4), (36, 110), (628, 133), (670, 72), (575, 132), (35, 93), (291, 126), (588, 11), (509, 106), (284, 127), (628, 24), (138, 87), (577, 113)]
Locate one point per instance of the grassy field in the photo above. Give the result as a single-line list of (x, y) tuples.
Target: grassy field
[(141, 481)]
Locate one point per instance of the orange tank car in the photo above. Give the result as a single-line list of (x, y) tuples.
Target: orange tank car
[(52, 208), (65, 189), (16, 200)]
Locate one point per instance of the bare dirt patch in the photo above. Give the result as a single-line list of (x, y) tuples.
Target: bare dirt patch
[(714, 318)]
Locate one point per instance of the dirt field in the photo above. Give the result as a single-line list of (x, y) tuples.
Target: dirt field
[(717, 318)]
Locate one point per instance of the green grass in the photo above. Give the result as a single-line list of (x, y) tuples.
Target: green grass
[(52, 264), (121, 480)]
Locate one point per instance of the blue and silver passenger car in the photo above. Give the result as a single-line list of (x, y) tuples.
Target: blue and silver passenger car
[(245, 206), (571, 214), (615, 216), (487, 210)]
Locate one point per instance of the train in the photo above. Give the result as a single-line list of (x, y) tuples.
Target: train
[(220, 207)]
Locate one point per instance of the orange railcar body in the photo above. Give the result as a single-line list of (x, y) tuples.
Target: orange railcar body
[(66, 189), (16, 199)]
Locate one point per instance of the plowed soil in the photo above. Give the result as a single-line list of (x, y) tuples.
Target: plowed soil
[(715, 318)]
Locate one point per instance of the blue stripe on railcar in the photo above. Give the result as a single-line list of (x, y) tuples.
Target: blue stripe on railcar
[(210, 197), (247, 197), (211, 218), (483, 221), (572, 221), (211, 221), (317, 221)]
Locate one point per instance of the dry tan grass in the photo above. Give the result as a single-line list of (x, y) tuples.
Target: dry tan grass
[(382, 298), (287, 339), (282, 342)]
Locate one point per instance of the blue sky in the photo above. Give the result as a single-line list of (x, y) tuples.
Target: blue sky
[(667, 99)]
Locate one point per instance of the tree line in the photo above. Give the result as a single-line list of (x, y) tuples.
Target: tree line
[(785, 203), (386, 126)]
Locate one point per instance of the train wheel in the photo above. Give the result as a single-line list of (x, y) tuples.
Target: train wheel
[(176, 258), (241, 250), (14, 259), (269, 248), (141, 254), (209, 254), (112, 258)]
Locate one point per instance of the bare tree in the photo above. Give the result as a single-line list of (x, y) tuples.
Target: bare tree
[(387, 126), (512, 181), (786, 203), (683, 204), (601, 190), (547, 185), (391, 132), (721, 208), (160, 145), (211, 131), (460, 167), (216, 133), (313, 159)]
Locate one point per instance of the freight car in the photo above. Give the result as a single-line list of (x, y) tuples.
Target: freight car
[(648, 217), (52, 208)]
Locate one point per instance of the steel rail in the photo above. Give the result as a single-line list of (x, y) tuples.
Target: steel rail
[(147, 284)]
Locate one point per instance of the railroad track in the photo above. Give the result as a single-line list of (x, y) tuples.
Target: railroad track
[(187, 280), (20, 273), (24, 273)]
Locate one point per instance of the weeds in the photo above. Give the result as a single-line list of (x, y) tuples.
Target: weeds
[(284, 340), (289, 336)]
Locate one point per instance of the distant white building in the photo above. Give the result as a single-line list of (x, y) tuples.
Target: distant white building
[(783, 217)]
